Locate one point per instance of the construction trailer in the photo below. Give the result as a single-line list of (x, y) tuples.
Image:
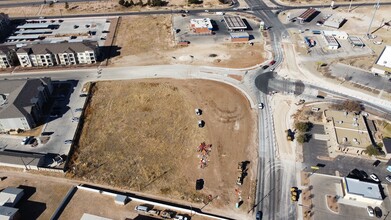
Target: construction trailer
[(239, 37)]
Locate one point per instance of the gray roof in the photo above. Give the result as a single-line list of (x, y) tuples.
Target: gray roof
[(19, 94), (4, 49), (56, 48), (362, 188), (12, 190), (7, 211), (234, 22), (387, 145)]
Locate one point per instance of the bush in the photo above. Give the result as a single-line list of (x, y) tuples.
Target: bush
[(302, 138), (121, 2), (195, 2), (303, 126), (372, 150), (348, 105)]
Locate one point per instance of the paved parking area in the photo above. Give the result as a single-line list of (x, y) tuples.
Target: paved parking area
[(58, 123), (182, 24)]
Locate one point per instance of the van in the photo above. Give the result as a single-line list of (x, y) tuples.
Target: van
[(315, 109), (141, 208)]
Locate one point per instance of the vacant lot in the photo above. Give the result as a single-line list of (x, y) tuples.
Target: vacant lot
[(147, 40), (143, 135)]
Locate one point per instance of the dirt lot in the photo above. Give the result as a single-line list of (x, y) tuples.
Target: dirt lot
[(323, 2), (41, 198), (107, 6), (146, 131), (157, 47)]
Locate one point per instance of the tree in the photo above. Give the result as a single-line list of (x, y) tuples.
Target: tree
[(348, 105), (127, 4), (131, 3), (149, 3), (195, 2), (141, 3), (121, 2), (302, 138), (303, 126), (66, 6), (372, 150)]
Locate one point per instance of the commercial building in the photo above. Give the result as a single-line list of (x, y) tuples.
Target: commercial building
[(235, 23), (337, 34), (7, 56), (22, 102), (308, 15), (58, 54), (239, 37), (334, 22), (383, 63), (201, 26), (356, 41), (387, 147), (362, 191), (4, 23), (331, 42)]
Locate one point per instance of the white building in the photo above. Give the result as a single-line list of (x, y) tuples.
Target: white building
[(10, 196), (9, 213), (383, 63), (362, 191), (51, 54), (201, 25), (337, 34), (334, 22), (332, 43)]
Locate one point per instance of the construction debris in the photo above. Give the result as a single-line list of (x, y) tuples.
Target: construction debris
[(204, 150)]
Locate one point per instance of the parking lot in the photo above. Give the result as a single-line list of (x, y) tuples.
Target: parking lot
[(64, 29), (221, 33), (60, 122), (328, 185)]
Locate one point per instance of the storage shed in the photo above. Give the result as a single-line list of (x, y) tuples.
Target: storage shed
[(239, 37)]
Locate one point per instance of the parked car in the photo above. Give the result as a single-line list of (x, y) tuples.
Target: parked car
[(261, 106), (79, 110), (388, 178), (68, 142), (376, 163), (378, 212), (370, 211), (26, 140), (272, 62), (258, 216), (141, 208), (180, 217), (83, 95), (265, 67), (364, 174), (374, 177)]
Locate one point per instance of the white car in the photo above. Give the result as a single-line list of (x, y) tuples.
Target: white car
[(374, 177), (180, 217), (261, 106), (388, 178), (370, 211)]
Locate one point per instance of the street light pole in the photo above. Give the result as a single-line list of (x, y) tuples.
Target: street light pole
[(377, 5)]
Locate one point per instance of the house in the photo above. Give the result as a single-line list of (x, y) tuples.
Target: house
[(10, 196), (22, 102), (7, 56), (9, 213), (383, 63), (51, 54), (201, 26)]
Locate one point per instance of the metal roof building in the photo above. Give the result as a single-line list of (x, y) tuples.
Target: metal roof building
[(8, 212), (235, 23), (356, 41), (383, 63), (331, 42), (334, 22), (10, 196), (308, 14), (364, 190)]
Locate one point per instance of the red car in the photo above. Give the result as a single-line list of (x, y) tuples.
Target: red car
[(272, 62)]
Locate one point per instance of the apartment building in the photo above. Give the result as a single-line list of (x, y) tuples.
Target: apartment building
[(51, 54), (22, 102), (7, 56)]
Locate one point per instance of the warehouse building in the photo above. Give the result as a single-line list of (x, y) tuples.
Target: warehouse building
[(383, 63), (201, 26), (342, 35), (58, 54), (308, 15), (331, 42), (334, 22), (22, 102), (235, 23), (356, 41), (361, 191), (239, 37)]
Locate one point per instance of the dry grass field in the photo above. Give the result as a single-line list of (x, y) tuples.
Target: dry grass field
[(143, 136)]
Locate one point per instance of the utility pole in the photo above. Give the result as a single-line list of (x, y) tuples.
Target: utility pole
[(350, 6), (377, 5)]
